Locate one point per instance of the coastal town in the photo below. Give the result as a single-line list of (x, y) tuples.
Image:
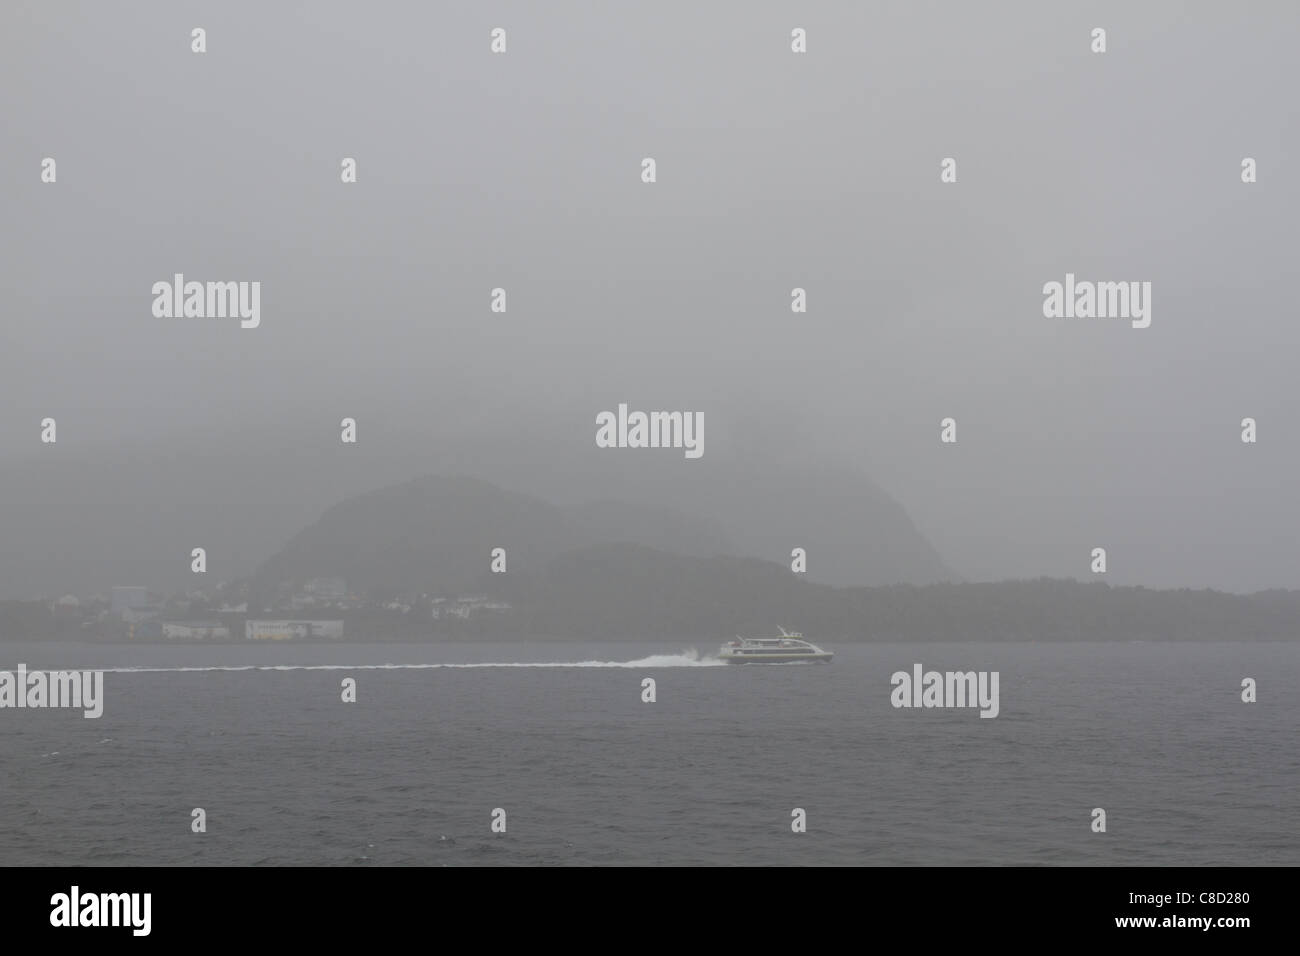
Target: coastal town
[(321, 609)]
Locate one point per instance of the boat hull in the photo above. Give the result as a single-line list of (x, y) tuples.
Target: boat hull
[(823, 658)]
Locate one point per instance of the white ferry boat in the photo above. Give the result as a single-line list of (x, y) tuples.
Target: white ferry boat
[(786, 649)]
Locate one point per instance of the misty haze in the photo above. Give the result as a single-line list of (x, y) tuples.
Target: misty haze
[(356, 342)]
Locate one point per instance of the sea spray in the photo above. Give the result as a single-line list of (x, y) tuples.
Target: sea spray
[(690, 658)]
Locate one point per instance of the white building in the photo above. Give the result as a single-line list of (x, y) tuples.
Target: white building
[(464, 607), (291, 630), (145, 612), (196, 631)]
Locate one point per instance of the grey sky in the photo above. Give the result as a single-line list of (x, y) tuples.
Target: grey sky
[(775, 171)]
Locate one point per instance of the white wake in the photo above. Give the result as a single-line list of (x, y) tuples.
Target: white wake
[(690, 658)]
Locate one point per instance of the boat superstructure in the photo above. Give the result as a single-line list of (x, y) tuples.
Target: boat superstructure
[(789, 648)]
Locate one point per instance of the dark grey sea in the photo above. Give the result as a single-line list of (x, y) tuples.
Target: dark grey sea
[(710, 773)]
